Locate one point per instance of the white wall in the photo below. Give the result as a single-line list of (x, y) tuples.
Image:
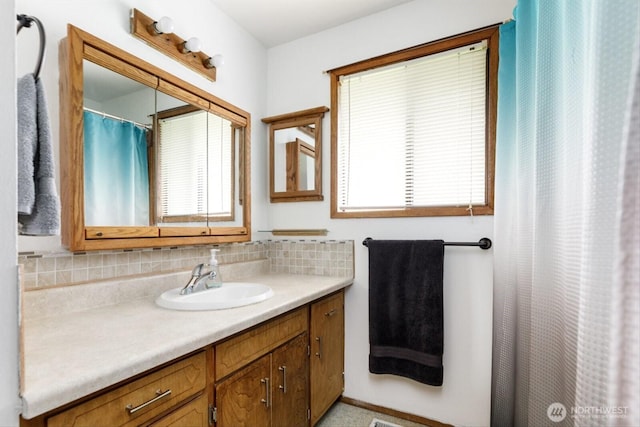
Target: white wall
[(241, 81), (296, 81), (9, 401)]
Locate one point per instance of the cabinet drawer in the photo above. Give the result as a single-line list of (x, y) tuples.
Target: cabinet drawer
[(139, 400), (193, 414), (244, 348), (328, 307)]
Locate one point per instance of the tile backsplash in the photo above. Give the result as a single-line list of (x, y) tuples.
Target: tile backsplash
[(315, 257)]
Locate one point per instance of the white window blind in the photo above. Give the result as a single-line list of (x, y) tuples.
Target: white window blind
[(197, 180), (412, 134)]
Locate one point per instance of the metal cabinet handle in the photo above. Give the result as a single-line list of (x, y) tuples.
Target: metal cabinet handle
[(159, 395), (330, 313), (283, 387), (266, 401), (319, 352)]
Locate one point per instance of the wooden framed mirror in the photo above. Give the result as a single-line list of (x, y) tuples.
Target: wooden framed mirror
[(295, 155), (183, 176)]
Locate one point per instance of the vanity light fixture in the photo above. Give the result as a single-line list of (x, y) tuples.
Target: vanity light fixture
[(159, 34), (191, 45), (163, 25), (214, 61)]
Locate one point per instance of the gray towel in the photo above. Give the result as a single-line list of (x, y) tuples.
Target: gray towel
[(27, 143), (38, 203)]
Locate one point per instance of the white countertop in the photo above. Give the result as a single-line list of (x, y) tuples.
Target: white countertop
[(73, 354)]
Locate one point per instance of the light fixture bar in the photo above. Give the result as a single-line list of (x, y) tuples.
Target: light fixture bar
[(170, 44)]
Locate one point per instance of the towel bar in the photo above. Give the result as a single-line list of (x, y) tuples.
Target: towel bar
[(26, 21), (484, 243)]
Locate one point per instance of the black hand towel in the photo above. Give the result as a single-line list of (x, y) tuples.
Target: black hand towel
[(405, 309)]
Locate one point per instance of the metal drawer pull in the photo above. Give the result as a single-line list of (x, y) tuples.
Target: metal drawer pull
[(330, 313), (159, 395), (265, 381), (319, 353), (283, 387)]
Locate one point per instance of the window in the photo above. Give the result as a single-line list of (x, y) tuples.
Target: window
[(413, 132)]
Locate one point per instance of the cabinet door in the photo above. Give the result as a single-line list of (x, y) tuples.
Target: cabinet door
[(244, 398), (193, 414), (290, 375), (327, 353)]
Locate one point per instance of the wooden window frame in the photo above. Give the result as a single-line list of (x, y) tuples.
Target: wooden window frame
[(491, 35)]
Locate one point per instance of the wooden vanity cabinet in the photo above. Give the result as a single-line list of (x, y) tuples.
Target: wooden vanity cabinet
[(192, 414), (290, 382), (280, 375), (241, 399), (262, 376), (272, 391), (284, 372), (171, 396), (327, 353)]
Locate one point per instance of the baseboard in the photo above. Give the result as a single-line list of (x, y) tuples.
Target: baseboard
[(393, 412)]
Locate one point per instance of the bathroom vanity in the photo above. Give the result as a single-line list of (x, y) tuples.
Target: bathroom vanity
[(104, 353), (275, 363)]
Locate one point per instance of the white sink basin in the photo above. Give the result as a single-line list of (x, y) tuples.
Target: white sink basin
[(229, 295)]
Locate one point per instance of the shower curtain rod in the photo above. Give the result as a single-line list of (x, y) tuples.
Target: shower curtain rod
[(484, 243), (111, 116)]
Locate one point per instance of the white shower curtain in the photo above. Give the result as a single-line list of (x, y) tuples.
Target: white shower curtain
[(566, 219)]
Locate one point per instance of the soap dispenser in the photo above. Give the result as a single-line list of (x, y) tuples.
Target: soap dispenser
[(214, 279)]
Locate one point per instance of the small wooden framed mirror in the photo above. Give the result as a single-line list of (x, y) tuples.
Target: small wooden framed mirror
[(295, 155)]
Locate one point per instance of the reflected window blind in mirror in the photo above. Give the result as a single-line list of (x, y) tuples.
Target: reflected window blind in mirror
[(193, 187)]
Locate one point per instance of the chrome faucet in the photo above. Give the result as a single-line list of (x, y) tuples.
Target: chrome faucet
[(197, 277)]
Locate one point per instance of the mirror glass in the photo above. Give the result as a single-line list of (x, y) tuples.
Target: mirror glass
[(118, 132), (196, 159), (295, 157), (146, 158), (151, 158)]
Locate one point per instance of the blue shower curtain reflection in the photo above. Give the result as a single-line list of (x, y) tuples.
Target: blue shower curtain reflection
[(116, 172)]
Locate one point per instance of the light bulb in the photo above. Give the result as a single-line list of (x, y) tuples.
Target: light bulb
[(163, 26), (191, 45), (214, 61)]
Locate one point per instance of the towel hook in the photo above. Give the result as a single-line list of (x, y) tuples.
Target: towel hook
[(26, 21)]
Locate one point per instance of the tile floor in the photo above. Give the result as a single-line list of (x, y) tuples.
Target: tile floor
[(344, 415)]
